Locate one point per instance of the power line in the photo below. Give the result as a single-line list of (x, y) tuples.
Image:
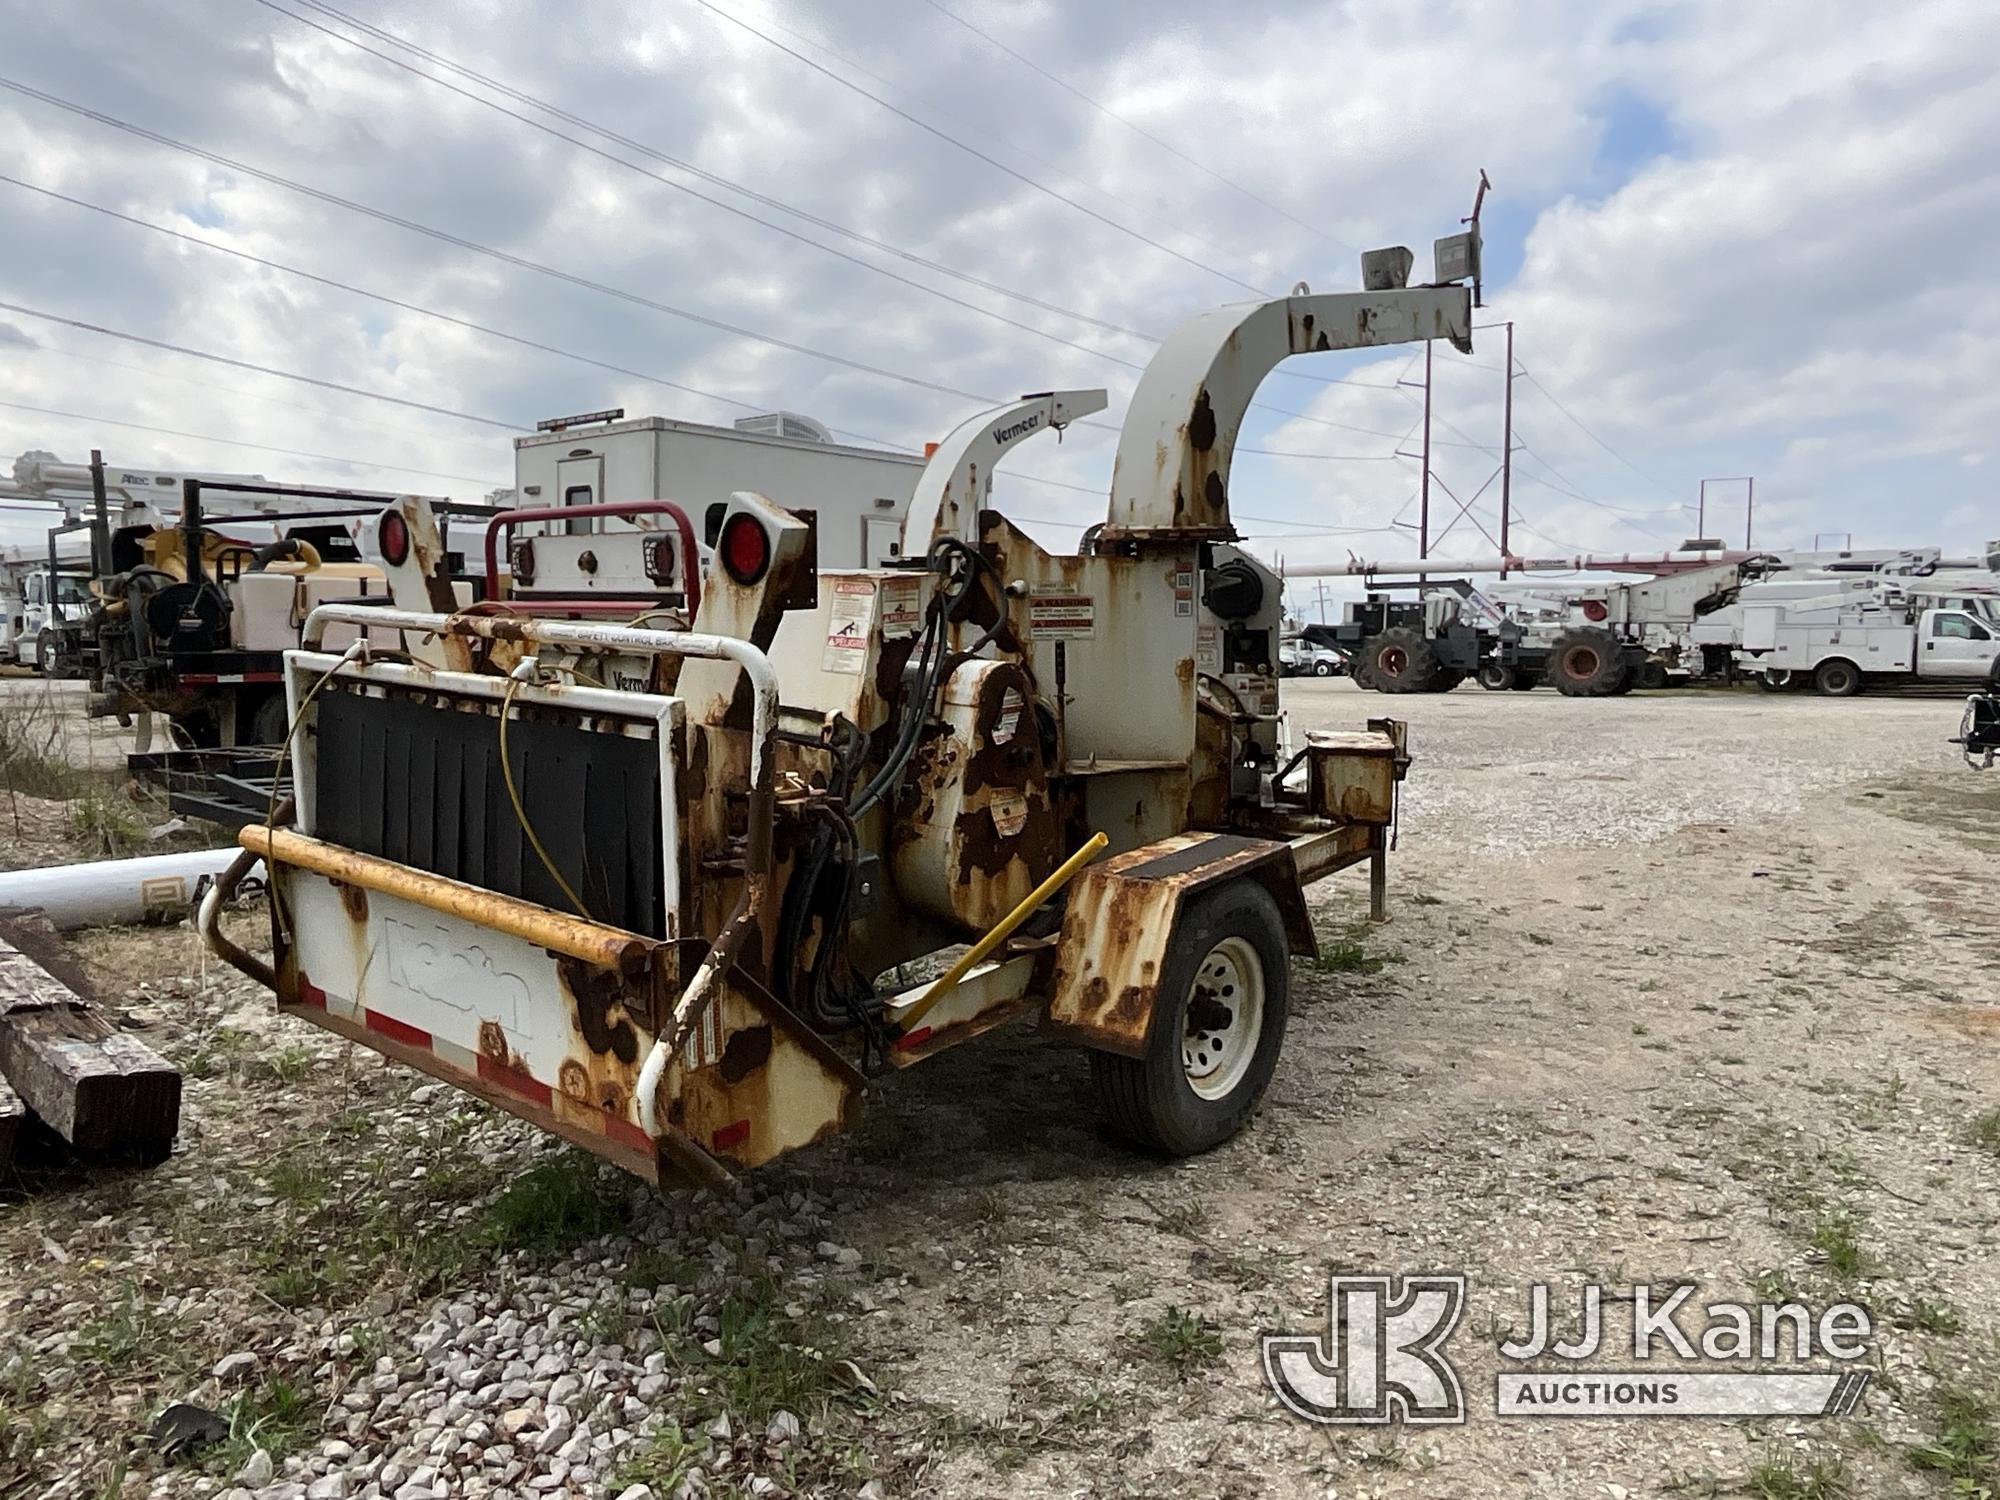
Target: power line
[(1528, 375), (518, 339), (388, 301), (832, 226), (505, 257), (79, 416), (929, 102), (974, 151), (242, 394), (244, 364), (728, 208), (1111, 114)]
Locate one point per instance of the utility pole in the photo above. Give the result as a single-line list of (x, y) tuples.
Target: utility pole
[(1507, 450), (1424, 505), (1322, 601)]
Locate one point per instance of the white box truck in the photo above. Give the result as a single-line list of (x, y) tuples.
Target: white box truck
[(859, 496)]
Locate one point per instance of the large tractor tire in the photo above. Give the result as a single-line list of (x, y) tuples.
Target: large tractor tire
[(1587, 663), (1836, 678), (1218, 1023), (1399, 661), (1496, 678)]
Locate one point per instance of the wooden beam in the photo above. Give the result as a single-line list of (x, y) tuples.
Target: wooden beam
[(100, 1090)]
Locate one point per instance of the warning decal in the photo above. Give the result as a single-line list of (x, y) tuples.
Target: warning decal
[(1062, 617), (901, 612), (1208, 648), (847, 624)]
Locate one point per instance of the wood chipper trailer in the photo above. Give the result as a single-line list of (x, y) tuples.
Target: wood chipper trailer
[(648, 884)]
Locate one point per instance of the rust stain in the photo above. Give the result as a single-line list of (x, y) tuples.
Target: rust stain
[(353, 900), (599, 1001), (748, 1050)]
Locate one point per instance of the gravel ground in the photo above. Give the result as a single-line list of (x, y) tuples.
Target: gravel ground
[(1682, 986)]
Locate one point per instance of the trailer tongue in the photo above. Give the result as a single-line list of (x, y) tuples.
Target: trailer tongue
[(648, 884)]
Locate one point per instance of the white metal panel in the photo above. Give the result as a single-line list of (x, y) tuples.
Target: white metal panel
[(656, 458)]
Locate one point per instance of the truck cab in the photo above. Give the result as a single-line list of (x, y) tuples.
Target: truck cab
[(1957, 643)]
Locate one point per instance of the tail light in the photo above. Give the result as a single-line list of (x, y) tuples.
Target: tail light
[(745, 548), (521, 561), (660, 559), (393, 537)]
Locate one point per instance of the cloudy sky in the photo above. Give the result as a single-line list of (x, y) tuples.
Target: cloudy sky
[(1734, 240)]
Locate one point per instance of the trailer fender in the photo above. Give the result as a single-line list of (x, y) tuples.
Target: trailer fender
[(1121, 918)]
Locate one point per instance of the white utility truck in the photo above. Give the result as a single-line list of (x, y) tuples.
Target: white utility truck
[(859, 496), (1844, 631)]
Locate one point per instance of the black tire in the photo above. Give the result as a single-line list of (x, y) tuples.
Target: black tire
[(1837, 678), (1322, 669), (1400, 661), (1444, 679), (269, 721), (1526, 681), (1652, 676), (1587, 663), (1150, 1100), (1776, 680), (1496, 678)]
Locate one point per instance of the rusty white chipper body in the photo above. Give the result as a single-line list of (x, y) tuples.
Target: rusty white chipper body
[(651, 884)]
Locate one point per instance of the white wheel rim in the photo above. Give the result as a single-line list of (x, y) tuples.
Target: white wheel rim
[(1224, 1018)]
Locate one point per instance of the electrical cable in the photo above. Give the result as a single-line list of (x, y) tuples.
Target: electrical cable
[(521, 813)]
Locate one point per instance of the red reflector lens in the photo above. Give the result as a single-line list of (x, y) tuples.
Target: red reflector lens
[(393, 536), (733, 1134), (745, 548)]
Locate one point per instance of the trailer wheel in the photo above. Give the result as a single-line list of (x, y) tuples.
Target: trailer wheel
[(1218, 1023), (1586, 664), (1400, 661), (1496, 678), (1653, 675), (1776, 680), (1444, 679), (1525, 681), (1837, 679)]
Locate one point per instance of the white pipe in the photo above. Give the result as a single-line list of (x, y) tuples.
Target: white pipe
[(755, 664), (1583, 562), (115, 892)]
